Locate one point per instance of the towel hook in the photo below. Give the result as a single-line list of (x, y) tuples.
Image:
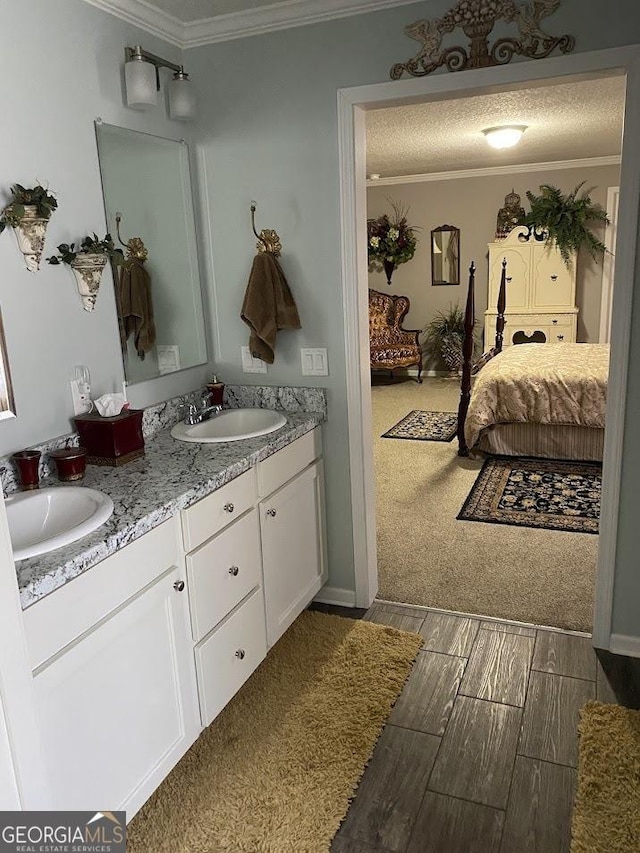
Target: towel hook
[(268, 240), (136, 249)]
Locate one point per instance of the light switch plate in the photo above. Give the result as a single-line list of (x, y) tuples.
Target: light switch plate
[(251, 364), (314, 361)]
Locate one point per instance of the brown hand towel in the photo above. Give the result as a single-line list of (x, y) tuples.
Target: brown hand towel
[(136, 307), (268, 306)]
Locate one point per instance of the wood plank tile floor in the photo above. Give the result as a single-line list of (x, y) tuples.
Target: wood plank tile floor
[(479, 754)]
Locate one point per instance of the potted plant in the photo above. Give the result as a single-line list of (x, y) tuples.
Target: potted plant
[(390, 241), (564, 219), (28, 213), (87, 264), (444, 337)]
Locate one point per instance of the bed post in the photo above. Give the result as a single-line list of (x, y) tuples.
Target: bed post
[(467, 355), (502, 303)]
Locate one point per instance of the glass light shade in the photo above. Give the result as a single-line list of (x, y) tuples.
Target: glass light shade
[(504, 137), (182, 99), (140, 84)]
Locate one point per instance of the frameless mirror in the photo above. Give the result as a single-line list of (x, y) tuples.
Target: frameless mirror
[(445, 255), (146, 185)]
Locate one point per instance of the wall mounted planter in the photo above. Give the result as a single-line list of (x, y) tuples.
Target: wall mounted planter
[(30, 233), (87, 270)]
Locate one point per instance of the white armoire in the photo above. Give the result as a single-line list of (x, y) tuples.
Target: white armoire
[(541, 291)]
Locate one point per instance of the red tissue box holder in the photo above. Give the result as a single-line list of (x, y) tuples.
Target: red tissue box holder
[(112, 441)]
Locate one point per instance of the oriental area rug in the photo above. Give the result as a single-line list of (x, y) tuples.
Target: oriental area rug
[(545, 493), (277, 769), (425, 426)]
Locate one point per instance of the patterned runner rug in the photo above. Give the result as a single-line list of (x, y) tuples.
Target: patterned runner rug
[(425, 426), (549, 493)]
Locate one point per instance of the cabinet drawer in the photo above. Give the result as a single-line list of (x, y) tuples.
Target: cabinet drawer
[(205, 518), (282, 466), (222, 572), (57, 620), (228, 656)]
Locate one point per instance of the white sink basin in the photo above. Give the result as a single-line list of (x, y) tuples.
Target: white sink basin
[(231, 425), (43, 520)]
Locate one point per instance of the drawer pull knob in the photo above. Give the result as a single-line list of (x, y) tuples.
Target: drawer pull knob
[(229, 507), (272, 512), (509, 278), (555, 322), (560, 337), (554, 278), (240, 654), (234, 571), (178, 586)]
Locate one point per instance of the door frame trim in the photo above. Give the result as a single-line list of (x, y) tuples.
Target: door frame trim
[(352, 105)]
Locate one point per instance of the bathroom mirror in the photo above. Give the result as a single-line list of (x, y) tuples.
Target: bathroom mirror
[(146, 185), (445, 255)]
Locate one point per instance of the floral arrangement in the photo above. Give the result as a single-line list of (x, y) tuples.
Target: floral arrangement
[(391, 241), (38, 198)]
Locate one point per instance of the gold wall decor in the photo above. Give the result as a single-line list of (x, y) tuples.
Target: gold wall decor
[(477, 19)]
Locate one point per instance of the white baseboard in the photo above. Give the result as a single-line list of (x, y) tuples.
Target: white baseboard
[(623, 644), (336, 595)]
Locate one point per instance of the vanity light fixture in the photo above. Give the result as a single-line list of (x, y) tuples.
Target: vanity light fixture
[(504, 137), (142, 83)]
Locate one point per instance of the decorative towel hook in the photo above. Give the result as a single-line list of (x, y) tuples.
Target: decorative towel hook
[(136, 249), (268, 240)]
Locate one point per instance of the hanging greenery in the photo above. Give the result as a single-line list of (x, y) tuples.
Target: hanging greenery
[(565, 218), (391, 241)]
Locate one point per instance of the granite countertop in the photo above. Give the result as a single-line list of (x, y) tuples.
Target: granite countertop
[(171, 476)]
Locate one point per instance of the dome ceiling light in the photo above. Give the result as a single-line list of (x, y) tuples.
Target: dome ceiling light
[(504, 137)]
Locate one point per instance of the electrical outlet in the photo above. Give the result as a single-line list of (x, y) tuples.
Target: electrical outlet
[(314, 361), (251, 364)]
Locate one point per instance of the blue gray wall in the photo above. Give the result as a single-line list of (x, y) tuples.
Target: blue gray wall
[(268, 131)]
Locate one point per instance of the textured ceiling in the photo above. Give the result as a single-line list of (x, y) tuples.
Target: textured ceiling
[(195, 10), (565, 121)]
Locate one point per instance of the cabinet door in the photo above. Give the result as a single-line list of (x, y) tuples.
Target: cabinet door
[(518, 272), (553, 282), (118, 708), (293, 549)]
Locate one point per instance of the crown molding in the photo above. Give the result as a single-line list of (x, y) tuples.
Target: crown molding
[(146, 16), (585, 162), (235, 25), (277, 16)]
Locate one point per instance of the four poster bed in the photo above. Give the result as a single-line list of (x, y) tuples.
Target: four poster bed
[(544, 400)]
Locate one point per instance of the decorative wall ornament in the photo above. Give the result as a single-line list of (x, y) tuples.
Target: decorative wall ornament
[(510, 215), (28, 214), (87, 264), (477, 19)]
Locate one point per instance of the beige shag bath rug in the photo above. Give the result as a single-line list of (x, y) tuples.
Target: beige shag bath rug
[(275, 772), (606, 817)]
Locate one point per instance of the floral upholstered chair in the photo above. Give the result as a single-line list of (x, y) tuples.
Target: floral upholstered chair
[(390, 345)]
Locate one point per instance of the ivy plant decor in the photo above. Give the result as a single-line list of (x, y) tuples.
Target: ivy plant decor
[(564, 219), (28, 214), (87, 263), (391, 241)]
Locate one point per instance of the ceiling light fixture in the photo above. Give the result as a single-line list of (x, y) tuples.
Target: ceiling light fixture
[(504, 137), (142, 83)]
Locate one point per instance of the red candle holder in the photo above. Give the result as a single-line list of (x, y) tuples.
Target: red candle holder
[(70, 462), (28, 464)]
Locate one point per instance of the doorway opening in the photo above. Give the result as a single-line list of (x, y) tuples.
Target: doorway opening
[(428, 518)]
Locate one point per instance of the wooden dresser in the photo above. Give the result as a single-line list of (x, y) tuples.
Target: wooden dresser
[(541, 291)]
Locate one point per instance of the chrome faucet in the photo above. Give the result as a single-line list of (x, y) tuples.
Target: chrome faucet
[(196, 415)]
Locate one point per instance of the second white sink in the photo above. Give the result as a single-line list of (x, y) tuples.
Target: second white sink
[(43, 520), (231, 425)]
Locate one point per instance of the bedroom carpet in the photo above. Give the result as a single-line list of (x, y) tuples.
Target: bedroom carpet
[(275, 772), (427, 557), (606, 816)]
